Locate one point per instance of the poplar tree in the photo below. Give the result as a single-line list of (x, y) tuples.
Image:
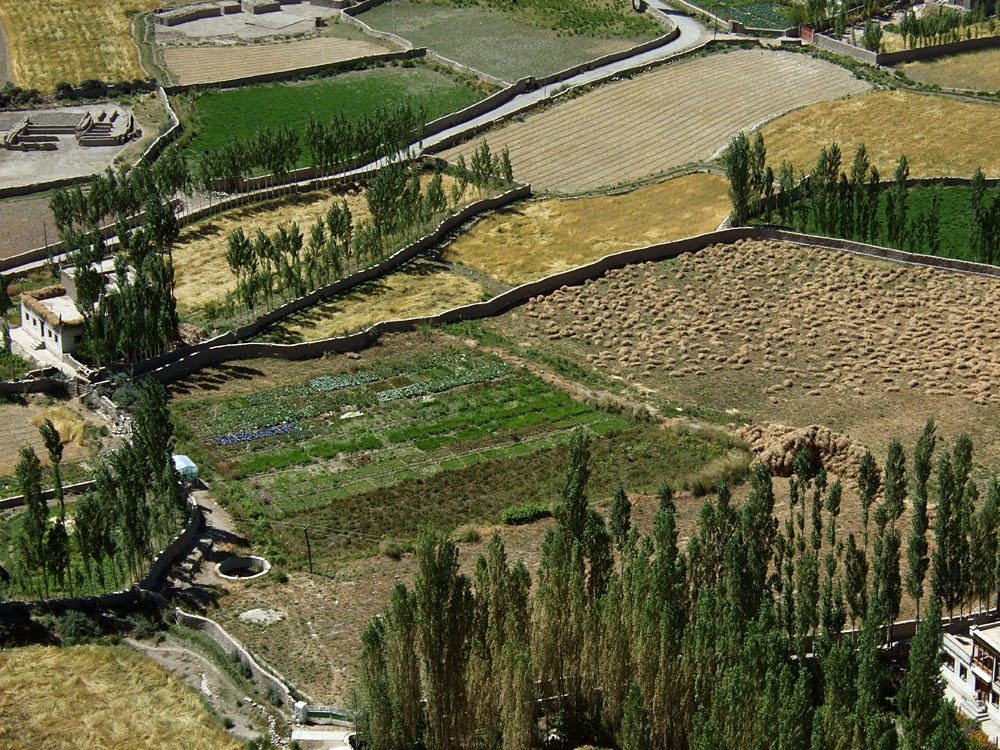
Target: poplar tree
[(868, 485), (922, 691), (738, 161)]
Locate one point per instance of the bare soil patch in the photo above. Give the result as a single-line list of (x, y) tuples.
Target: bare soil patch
[(976, 71), (769, 332), (943, 136), (21, 422), (25, 223), (204, 64), (543, 237), (676, 115)]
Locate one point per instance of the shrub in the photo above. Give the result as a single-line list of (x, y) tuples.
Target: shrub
[(274, 696), (390, 549), (75, 627), (468, 534), (516, 515)]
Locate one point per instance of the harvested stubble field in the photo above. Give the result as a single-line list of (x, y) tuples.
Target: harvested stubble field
[(480, 37), (99, 696), (542, 237), (785, 333), (206, 64), (417, 291), (20, 427), (202, 273), (71, 40), (976, 71), (682, 113), (25, 222), (943, 137)]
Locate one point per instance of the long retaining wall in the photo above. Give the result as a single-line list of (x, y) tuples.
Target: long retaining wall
[(903, 56), (390, 264), (140, 593), (225, 352), (262, 674)]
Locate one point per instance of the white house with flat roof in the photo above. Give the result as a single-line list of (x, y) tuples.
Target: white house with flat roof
[(51, 320), (971, 676)]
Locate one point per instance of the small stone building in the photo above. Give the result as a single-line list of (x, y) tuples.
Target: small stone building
[(51, 320)]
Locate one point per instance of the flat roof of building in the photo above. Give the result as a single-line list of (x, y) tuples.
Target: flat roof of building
[(989, 635)]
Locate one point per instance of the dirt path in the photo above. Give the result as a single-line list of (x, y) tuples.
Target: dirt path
[(229, 702)]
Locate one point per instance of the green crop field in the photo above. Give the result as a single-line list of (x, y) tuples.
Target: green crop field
[(445, 437), (481, 37), (222, 116), (760, 15)]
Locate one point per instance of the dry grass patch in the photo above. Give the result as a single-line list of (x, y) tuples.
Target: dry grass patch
[(977, 71), (678, 114), (418, 291), (68, 423), (943, 136), (544, 237), (100, 697), (71, 40), (205, 64)]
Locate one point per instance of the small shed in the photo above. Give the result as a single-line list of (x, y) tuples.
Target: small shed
[(187, 468)]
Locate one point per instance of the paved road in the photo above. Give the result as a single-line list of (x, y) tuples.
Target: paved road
[(692, 34)]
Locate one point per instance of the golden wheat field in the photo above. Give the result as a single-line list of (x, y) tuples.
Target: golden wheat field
[(942, 136), (417, 291), (99, 697), (976, 71), (71, 40), (539, 238)]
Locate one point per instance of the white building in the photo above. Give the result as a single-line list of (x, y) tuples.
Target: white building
[(970, 671), (51, 320)]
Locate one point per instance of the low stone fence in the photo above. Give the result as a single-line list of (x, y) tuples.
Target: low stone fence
[(348, 17), (33, 385), (843, 48), (140, 593), (16, 501), (168, 136), (697, 12), (261, 673)]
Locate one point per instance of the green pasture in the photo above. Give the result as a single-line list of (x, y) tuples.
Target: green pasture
[(512, 43)]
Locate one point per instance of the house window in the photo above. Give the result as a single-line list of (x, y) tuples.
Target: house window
[(963, 672), (57, 338), (994, 698), (949, 664)]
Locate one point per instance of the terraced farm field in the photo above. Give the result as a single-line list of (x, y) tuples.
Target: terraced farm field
[(787, 333), (683, 113), (205, 64), (539, 238), (943, 137), (70, 40), (976, 71)]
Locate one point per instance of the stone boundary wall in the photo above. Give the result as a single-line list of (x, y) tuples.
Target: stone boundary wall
[(261, 673), (455, 65), (392, 263), (166, 137), (407, 53), (478, 108), (348, 17), (34, 385), (141, 592), (16, 501), (38, 187), (225, 352), (903, 56), (697, 12)]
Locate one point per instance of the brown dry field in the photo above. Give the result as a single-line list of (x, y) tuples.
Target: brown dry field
[(20, 427), (415, 292), (21, 225), (205, 64), (769, 332), (202, 273), (683, 113), (976, 71), (71, 40), (99, 697), (943, 135), (542, 237)]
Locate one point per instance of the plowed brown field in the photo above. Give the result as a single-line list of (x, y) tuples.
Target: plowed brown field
[(207, 64), (676, 115)]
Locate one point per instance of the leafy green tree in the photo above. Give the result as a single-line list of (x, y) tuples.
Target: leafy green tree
[(31, 543), (738, 160), (54, 447), (621, 518), (856, 580), (868, 485), (635, 732), (922, 691)]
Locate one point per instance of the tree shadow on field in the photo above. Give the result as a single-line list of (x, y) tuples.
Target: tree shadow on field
[(214, 377)]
